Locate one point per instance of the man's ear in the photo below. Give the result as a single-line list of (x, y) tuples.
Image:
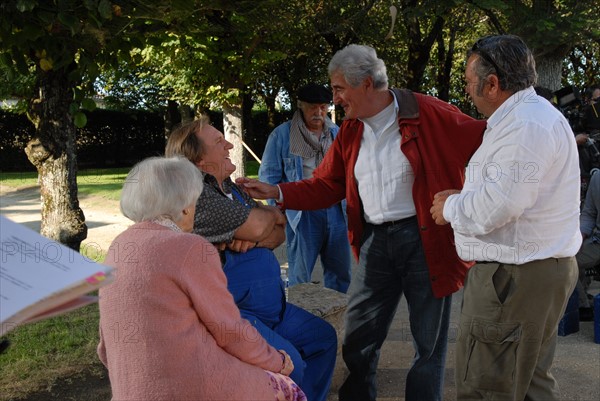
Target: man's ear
[(368, 83), (494, 85)]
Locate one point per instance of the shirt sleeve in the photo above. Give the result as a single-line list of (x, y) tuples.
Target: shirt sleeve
[(271, 169), (506, 184), (218, 217)]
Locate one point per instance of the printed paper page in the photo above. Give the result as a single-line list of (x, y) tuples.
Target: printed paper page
[(33, 267)]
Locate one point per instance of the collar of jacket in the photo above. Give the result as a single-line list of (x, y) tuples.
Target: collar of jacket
[(407, 103)]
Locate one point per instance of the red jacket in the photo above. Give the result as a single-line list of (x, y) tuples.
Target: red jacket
[(438, 140)]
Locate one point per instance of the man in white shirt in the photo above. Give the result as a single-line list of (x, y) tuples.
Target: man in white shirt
[(518, 217), (394, 150)]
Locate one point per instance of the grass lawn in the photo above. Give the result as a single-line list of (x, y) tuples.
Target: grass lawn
[(104, 183), (42, 353)]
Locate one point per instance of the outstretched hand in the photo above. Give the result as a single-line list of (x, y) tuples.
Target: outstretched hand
[(439, 200), (258, 189)]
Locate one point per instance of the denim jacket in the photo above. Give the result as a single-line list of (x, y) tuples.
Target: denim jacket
[(279, 165)]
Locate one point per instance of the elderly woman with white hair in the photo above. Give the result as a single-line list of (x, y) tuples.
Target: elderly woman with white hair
[(169, 329)]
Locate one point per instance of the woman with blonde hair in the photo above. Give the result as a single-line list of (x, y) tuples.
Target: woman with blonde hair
[(247, 232)]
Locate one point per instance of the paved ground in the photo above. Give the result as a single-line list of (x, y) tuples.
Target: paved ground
[(576, 366), (577, 362)]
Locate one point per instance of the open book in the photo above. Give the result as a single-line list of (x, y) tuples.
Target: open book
[(41, 278)]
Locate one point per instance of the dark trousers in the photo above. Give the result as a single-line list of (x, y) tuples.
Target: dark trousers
[(392, 264)]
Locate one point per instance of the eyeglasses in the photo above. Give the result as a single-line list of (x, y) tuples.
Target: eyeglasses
[(485, 55)]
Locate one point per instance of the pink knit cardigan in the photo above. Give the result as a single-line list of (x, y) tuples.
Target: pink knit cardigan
[(170, 330)]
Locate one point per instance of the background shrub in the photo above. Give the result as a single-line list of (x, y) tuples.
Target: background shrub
[(115, 138)]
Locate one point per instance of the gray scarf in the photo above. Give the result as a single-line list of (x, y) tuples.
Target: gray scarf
[(304, 143)]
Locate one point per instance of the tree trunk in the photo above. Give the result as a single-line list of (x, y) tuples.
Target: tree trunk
[(233, 127), (420, 51), (52, 152), (549, 72), (445, 60), (270, 102), (172, 117), (247, 106), (186, 113)]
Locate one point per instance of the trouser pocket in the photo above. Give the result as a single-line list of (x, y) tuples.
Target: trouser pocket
[(492, 355)]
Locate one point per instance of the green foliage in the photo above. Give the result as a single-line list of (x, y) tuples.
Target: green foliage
[(110, 138), (131, 87), (69, 37), (582, 66), (80, 119), (252, 168), (550, 27), (88, 104), (15, 86), (206, 54)]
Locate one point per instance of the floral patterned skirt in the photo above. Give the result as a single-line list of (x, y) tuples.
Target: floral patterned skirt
[(285, 388)]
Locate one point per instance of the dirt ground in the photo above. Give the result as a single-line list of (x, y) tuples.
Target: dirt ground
[(85, 387)]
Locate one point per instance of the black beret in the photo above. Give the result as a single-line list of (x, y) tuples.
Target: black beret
[(313, 93)]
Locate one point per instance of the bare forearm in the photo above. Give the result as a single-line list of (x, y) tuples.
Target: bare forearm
[(277, 235), (260, 224), (274, 239)]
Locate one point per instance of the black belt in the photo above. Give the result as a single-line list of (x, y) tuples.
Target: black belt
[(396, 222)]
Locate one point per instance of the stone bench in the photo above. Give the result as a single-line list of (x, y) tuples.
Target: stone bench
[(329, 305)]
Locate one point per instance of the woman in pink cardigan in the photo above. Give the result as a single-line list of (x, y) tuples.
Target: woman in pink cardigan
[(169, 329)]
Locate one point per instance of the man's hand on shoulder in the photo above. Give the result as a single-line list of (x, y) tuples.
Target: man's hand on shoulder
[(258, 189)]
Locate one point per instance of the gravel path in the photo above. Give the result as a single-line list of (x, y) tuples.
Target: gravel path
[(102, 216)]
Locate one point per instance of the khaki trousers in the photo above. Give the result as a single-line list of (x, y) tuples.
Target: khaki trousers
[(508, 328)]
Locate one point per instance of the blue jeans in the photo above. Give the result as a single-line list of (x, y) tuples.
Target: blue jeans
[(253, 278), (392, 263), (321, 233)]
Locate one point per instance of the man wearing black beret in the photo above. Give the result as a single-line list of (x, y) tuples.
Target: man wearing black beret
[(294, 149)]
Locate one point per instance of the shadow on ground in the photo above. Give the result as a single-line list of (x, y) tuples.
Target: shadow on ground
[(87, 386)]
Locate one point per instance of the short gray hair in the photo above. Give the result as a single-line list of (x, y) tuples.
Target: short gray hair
[(357, 63), (160, 187), (506, 56)]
